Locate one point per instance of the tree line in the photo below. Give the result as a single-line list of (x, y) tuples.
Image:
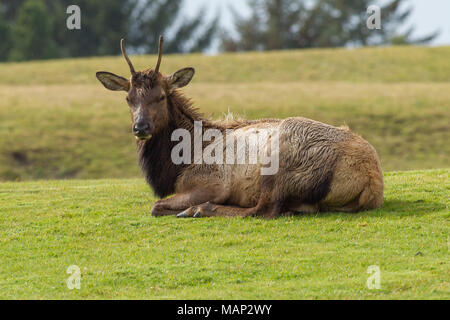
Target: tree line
[(36, 29)]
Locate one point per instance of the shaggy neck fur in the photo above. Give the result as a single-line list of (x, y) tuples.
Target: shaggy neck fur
[(155, 154)]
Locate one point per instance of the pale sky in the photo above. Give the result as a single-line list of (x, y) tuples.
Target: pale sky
[(427, 15)]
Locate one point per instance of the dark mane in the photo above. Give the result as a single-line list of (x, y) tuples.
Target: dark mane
[(182, 111), (155, 154)]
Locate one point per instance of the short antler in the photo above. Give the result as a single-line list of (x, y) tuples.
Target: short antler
[(159, 54), (122, 46)]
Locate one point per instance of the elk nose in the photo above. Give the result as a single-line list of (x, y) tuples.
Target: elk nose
[(140, 128)]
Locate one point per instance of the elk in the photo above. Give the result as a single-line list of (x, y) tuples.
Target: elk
[(321, 167)]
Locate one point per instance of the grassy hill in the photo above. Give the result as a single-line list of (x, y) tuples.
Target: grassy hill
[(104, 227), (57, 121)]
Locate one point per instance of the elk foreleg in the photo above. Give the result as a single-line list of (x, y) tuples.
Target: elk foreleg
[(182, 201), (270, 205), (208, 209)]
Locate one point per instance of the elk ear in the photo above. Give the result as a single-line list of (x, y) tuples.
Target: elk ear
[(180, 78), (112, 81)]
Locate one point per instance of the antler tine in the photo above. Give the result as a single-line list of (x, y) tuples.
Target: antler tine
[(122, 46), (161, 40)]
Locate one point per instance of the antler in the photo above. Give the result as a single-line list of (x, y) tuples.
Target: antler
[(122, 46), (159, 54), (133, 72)]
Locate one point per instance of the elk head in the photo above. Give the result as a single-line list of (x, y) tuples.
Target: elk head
[(148, 93)]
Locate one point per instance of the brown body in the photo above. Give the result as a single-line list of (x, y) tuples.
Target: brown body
[(321, 167)]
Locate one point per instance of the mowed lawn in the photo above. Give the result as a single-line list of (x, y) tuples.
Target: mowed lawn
[(58, 122), (104, 227)]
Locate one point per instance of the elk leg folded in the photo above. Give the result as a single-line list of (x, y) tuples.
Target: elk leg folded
[(211, 210), (182, 201), (208, 209)]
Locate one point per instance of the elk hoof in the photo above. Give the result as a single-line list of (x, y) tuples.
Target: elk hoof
[(197, 214), (183, 214), (192, 212)]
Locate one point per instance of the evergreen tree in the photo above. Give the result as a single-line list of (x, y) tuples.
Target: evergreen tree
[(285, 24), (32, 33), (9, 9), (155, 17), (104, 24)]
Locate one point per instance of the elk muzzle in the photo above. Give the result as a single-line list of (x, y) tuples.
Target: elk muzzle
[(141, 130)]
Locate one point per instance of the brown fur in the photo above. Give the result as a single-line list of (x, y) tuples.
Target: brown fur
[(321, 167)]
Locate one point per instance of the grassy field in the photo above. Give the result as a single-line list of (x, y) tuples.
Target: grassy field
[(104, 227), (58, 122)]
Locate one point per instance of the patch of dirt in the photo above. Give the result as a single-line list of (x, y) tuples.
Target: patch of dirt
[(20, 158)]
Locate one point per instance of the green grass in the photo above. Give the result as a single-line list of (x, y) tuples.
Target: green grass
[(58, 122), (104, 227)]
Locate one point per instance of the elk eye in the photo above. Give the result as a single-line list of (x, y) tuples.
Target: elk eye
[(162, 98)]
